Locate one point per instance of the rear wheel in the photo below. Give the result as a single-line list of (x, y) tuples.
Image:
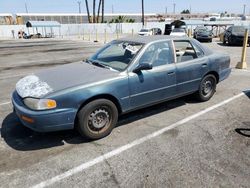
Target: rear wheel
[(207, 88), (97, 119), (224, 40)]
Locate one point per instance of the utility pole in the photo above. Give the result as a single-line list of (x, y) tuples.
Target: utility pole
[(166, 10), (112, 9), (142, 12), (190, 9), (79, 6), (174, 8), (244, 9), (26, 8)]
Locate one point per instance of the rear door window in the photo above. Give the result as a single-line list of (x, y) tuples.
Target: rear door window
[(184, 51)]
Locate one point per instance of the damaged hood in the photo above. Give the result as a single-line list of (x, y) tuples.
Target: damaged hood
[(62, 77)]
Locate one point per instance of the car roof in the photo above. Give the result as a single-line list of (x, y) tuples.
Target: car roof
[(152, 38)]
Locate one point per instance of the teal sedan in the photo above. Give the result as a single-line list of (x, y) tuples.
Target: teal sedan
[(123, 76)]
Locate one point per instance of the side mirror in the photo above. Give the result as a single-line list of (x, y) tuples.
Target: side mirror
[(142, 66)]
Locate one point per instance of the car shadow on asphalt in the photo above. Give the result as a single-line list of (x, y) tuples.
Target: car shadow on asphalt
[(244, 131), (230, 46), (21, 138)]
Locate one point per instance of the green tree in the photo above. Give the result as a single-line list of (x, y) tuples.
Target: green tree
[(185, 12)]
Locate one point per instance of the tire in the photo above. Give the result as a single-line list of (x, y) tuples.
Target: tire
[(207, 88), (211, 40), (224, 40), (101, 110)]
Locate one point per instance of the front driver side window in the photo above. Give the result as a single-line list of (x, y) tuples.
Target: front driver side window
[(157, 54)]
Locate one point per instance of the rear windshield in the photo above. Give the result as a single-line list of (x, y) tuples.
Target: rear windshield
[(178, 30), (144, 30)]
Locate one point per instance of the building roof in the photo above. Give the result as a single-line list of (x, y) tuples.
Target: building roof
[(43, 24), (5, 14)]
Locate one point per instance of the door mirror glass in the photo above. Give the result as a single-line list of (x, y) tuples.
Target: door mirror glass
[(142, 66)]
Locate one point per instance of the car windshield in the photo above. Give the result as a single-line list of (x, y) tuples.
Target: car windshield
[(239, 29), (116, 55), (144, 30), (178, 30)]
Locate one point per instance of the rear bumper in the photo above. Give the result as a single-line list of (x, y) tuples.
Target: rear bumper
[(205, 38), (43, 121), (224, 74)]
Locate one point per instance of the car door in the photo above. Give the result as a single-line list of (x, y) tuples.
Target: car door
[(191, 65), (157, 84)]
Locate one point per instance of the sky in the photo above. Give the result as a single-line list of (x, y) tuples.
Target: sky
[(125, 6)]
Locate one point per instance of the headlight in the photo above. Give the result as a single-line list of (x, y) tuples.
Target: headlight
[(39, 104)]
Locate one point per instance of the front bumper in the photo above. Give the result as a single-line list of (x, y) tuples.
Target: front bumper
[(46, 120)]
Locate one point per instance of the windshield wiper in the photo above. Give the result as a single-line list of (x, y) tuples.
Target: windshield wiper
[(95, 63), (100, 64)]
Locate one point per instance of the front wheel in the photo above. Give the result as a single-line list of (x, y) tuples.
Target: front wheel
[(207, 88), (97, 119)]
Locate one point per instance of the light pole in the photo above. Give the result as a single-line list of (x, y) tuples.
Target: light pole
[(142, 12), (26, 8), (244, 9), (79, 6)]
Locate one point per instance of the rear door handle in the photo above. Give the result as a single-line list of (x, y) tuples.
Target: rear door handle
[(204, 65), (171, 73)]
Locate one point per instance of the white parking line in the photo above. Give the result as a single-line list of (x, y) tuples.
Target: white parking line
[(121, 149), (5, 103)]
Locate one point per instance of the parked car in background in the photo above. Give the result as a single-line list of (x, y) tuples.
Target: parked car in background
[(145, 32), (202, 33), (234, 35), (168, 29), (179, 32), (125, 75), (156, 31)]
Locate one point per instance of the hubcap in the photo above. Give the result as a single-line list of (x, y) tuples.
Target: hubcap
[(98, 119), (207, 87)]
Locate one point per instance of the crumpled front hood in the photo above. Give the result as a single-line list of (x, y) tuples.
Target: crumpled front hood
[(32, 86), (62, 77)]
